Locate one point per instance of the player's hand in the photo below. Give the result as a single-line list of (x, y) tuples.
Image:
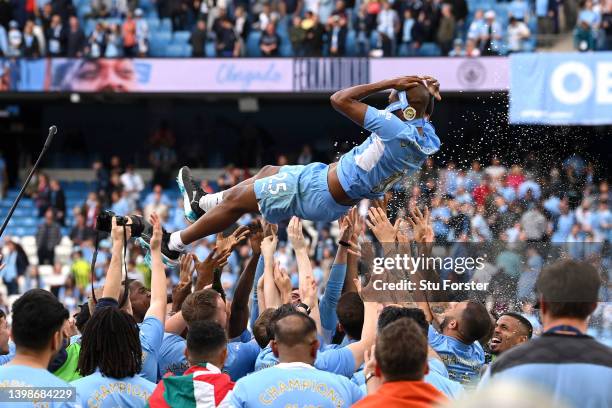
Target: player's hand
[(256, 237), (205, 269), (420, 225), (268, 246), (357, 223), (183, 287), (282, 281), (433, 86), (381, 227), (407, 82), (383, 202), (308, 292), (117, 231), (295, 234), (186, 270), (156, 238), (69, 328), (346, 226), (230, 242), (269, 228), (403, 236)]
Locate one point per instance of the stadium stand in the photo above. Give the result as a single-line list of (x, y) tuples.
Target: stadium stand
[(408, 28)]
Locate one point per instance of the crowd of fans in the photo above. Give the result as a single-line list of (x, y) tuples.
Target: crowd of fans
[(594, 27), (565, 206), (301, 28), (278, 314)]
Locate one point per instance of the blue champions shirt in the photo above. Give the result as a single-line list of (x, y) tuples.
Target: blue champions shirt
[(334, 360), (438, 377), (151, 336), (295, 384), (240, 359), (23, 376), (463, 361), (393, 151), (99, 391)]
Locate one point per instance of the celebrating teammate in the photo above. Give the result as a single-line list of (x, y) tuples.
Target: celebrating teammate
[(401, 139)]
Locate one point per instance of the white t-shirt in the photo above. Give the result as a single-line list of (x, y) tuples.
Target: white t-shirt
[(516, 34)]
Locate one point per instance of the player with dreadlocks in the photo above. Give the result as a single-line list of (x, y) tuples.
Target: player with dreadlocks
[(110, 360)]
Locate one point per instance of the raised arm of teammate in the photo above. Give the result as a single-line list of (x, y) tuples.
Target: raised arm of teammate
[(158, 274), (239, 317), (112, 285), (348, 101)]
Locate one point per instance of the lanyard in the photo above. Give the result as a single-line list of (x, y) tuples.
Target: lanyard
[(563, 328)]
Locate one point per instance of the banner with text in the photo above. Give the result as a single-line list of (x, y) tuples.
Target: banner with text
[(561, 88), (242, 75), (147, 75)]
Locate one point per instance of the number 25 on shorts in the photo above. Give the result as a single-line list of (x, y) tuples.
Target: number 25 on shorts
[(274, 187)]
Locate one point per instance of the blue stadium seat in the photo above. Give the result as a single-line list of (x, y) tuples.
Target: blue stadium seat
[(180, 37), (113, 20), (286, 50), (374, 39), (351, 43), (157, 47), (406, 51), (158, 42), (27, 221), (530, 44), (252, 45), (166, 24), (83, 11), (162, 34), (153, 23), (90, 25), (145, 4), (210, 49), (177, 50), (429, 50)]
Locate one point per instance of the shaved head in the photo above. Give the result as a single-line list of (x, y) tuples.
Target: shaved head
[(295, 329)]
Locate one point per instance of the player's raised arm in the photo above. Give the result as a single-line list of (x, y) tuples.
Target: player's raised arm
[(158, 275), (348, 101), (112, 285)]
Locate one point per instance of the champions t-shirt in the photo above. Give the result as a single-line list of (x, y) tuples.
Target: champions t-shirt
[(294, 384), (96, 390), (334, 360), (23, 376)]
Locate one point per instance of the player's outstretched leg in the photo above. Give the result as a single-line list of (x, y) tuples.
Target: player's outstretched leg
[(237, 201), (192, 194), (196, 202)]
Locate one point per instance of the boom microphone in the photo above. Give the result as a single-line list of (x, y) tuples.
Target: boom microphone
[(52, 132)]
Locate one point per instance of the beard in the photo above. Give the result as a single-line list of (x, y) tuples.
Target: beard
[(444, 323)]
